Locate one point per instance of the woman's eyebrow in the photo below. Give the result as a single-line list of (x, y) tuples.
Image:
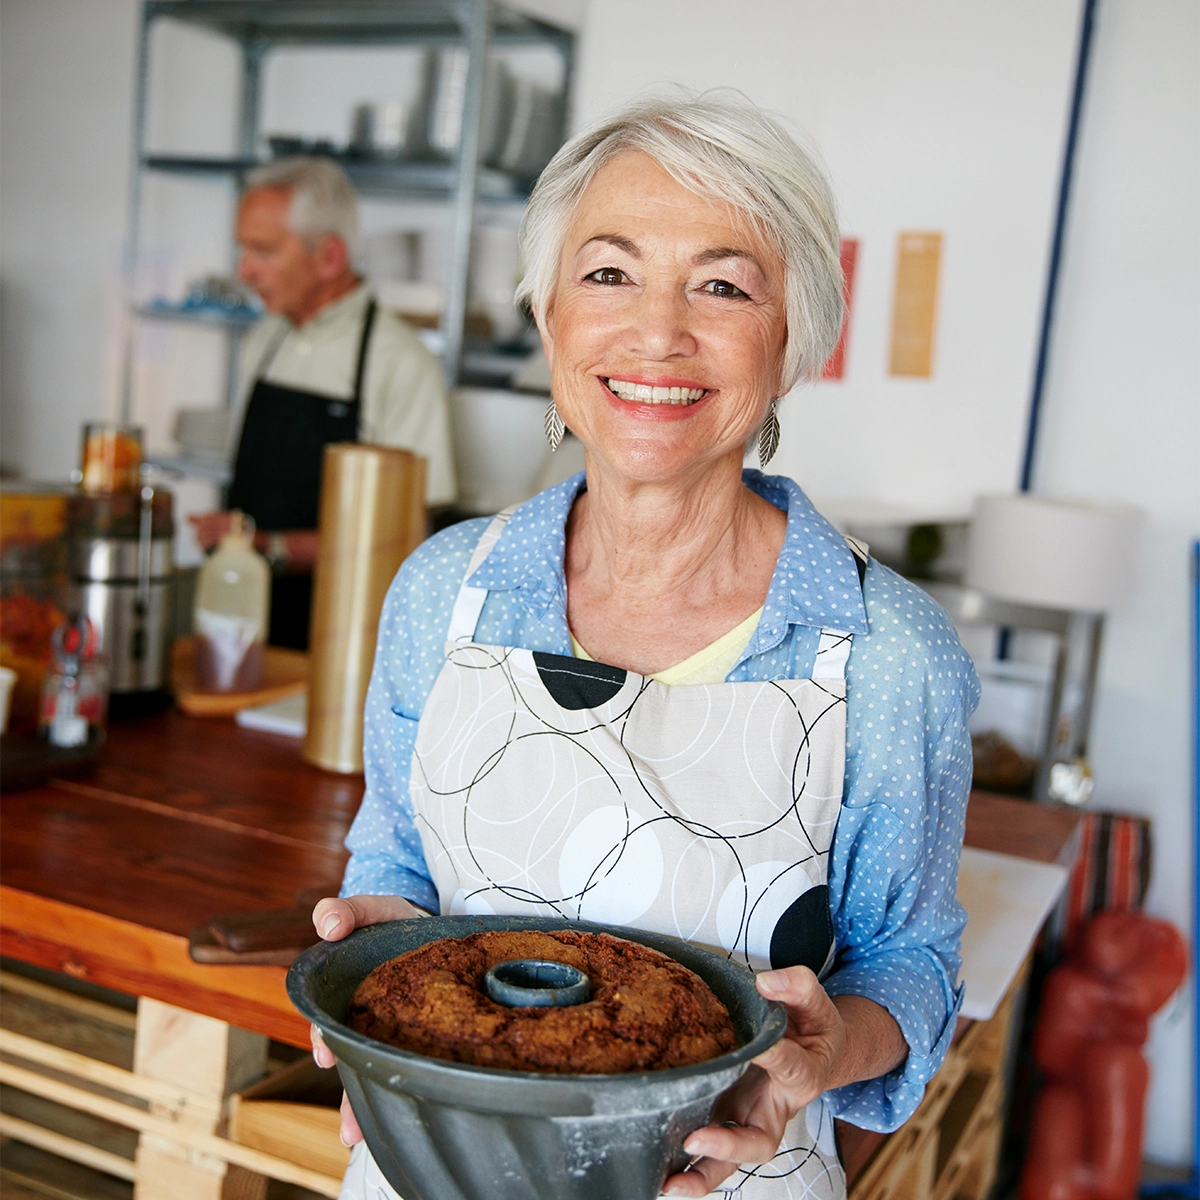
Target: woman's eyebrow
[(615, 239), (717, 253)]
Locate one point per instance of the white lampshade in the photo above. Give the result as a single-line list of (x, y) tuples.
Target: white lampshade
[(1066, 554)]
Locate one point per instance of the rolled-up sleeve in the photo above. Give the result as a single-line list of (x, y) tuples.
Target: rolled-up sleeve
[(894, 874)]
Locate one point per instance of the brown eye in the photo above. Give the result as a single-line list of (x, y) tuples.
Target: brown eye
[(722, 287), (608, 275)]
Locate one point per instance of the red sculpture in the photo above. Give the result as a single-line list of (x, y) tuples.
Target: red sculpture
[(1086, 1136)]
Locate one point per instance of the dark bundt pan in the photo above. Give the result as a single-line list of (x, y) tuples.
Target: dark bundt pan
[(448, 1131)]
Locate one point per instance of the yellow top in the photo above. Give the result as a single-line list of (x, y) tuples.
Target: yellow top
[(709, 665)]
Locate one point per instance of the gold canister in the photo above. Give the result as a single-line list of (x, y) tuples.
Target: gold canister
[(372, 517)]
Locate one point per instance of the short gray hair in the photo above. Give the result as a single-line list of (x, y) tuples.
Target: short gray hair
[(721, 147), (323, 198)]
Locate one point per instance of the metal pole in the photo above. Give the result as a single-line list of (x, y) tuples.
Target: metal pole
[(252, 56), (1094, 636), (133, 225), (1087, 26), (1050, 737), (477, 23)]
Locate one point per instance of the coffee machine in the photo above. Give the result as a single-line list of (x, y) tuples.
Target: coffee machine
[(123, 576)]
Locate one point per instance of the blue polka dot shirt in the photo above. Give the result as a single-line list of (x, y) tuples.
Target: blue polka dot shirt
[(911, 688)]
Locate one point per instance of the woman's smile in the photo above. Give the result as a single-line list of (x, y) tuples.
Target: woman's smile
[(654, 393)]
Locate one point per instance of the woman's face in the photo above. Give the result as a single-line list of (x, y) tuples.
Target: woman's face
[(666, 329)]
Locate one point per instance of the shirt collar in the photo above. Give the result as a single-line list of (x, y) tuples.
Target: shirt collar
[(815, 581), (349, 306)]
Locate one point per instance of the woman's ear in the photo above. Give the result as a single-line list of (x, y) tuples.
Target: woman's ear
[(545, 323)]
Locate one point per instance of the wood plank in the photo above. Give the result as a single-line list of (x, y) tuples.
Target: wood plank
[(216, 767), (46, 1023), (66, 1147), (29, 1173), (170, 1132), (153, 868), (145, 962), (166, 1093), (208, 1057), (92, 1010), (1042, 832), (81, 1127)]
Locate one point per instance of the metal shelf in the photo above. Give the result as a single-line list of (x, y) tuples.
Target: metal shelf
[(348, 22), (209, 318), (426, 180), (182, 466), (259, 26)]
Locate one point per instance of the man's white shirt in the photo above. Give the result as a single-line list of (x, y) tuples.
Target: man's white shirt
[(404, 400)]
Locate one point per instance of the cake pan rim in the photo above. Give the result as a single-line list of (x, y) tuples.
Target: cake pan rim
[(309, 964)]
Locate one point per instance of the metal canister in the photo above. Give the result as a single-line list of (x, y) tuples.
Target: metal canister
[(124, 575)]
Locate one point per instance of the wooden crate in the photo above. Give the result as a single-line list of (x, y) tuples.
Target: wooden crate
[(293, 1114), (950, 1148), (94, 1084)]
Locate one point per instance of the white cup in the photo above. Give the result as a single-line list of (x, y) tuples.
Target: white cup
[(8, 678)]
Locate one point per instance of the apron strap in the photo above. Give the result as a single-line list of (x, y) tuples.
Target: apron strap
[(832, 652), (834, 648), (469, 603), (361, 367)]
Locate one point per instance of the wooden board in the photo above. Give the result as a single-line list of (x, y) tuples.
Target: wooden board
[(294, 1115), (285, 673), (30, 1173), (1007, 899), (1041, 832)]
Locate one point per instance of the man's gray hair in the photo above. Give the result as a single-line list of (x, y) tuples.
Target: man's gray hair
[(323, 198), (723, 148)]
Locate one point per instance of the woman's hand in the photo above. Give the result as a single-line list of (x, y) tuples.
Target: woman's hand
[(827, 1044), (335, 919)]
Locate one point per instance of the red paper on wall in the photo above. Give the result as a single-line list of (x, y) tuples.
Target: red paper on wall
[(835, 368)]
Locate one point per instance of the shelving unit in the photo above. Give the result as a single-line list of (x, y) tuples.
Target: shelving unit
[(261, 26)]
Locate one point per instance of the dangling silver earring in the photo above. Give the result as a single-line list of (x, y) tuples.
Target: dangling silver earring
[(768, 436), (555, 429)]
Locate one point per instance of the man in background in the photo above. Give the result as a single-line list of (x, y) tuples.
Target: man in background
[(326, 364)]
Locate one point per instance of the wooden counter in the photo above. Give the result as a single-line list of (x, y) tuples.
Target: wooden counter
[(103, 877)]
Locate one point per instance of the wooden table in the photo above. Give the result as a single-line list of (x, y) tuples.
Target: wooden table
[(103, 877)]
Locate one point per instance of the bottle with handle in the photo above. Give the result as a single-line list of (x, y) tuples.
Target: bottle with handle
[(231, 614)]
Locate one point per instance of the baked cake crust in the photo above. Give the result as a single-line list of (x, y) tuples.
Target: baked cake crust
[(647, 1012)]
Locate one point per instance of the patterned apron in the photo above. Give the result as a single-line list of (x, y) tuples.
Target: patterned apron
[(554, 786)]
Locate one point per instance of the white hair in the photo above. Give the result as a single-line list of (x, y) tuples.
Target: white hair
[(323, 198), (723, 148)]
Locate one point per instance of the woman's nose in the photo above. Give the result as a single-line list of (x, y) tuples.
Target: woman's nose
[(661, 325)]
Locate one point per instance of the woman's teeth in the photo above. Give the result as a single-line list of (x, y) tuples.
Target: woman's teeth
[(643, 393)]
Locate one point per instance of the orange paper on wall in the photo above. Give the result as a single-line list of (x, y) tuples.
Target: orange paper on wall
[(835, 368), (914, 308)]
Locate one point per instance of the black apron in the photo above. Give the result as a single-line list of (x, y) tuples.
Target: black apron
[(277, 473)]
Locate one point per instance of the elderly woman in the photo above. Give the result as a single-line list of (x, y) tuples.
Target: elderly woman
[(674, 696)]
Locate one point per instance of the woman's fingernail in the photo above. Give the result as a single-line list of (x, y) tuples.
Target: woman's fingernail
[(330, 925), (773, 981), (693, 1147)]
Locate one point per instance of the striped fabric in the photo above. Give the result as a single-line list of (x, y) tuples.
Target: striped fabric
[(1111, 873)]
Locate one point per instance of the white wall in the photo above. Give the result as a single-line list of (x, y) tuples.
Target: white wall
[(1122, 421), (935, 115), (66, 78)]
